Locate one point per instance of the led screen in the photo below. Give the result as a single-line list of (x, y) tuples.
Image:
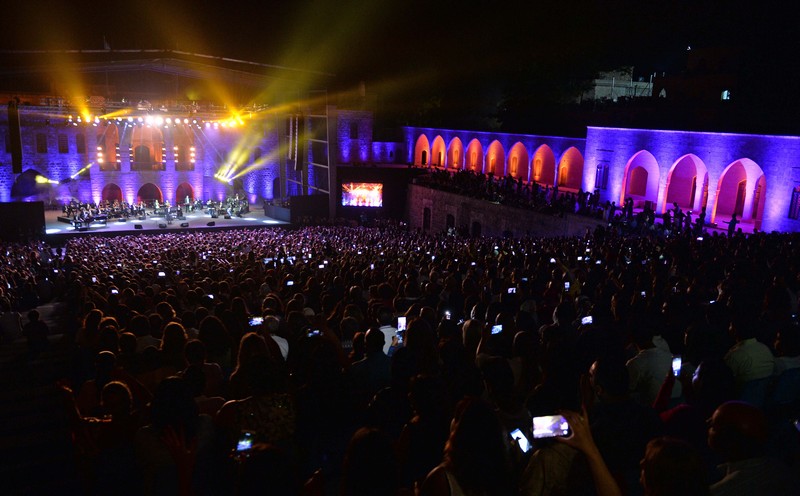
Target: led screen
[(362, 194)]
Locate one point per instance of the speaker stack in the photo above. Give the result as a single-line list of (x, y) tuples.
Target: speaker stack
[(137, 226), (185, 224), (162, 226), (211, 224)]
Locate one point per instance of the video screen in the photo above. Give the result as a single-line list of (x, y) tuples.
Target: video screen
[(362, 194)]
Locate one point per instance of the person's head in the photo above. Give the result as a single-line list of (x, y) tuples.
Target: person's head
[(737, 431), (672, 466), (116, 399), (476, 450), (173, 406), (194, 351), (370, 465), (374, 341), (609, 378)]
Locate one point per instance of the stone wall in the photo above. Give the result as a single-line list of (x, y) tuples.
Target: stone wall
[(493, 219)]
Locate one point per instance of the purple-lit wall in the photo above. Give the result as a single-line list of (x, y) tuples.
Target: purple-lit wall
[(354, 136), (777, 157)]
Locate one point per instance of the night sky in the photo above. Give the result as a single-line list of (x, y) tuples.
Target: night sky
[(472, 53)]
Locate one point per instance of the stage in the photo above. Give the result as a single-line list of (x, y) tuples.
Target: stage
[(55, 228)]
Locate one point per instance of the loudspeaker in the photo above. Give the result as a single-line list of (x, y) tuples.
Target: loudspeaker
[(227, 217), (211, 224), (142, 218), (83, 228), (137, 226), (185, 224), (162, 226), (14, 138)]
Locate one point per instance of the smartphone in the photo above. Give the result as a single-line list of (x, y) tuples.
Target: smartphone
[(210, 296), (401, 323), (371, 266), (115, 291), (314, 332), (177, 272), (245, 441), (290, 283), (566, 285), (522, 440), (550, 426), (256, 321), (512, 290), (94, 279), (676, 365), (586, 320), (322, 266), (162, 274), (497, 329), (644, 294), (552, 260), (447, 314)]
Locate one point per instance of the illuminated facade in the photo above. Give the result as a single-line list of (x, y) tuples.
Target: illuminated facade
[(757, 177)]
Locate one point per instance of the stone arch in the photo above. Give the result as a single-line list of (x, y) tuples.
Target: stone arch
[(147, 143), (741, 189), (183, 190), (438, 152), (149, 192), (474, 156), (570, 170), (518, 164), (111, 192), (543, 166), (422, 150), (687, 184), (455, 154), (495, 159), (640, 180)]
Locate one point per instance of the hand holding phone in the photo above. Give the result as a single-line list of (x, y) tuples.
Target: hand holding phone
[(521, 439)]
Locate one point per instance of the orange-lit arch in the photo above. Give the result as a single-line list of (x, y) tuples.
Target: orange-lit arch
[(422, 151), (641, 177), (149, 192), (183, 191), (111, 192), (474, 156), (543, 166), (518, 164), (570, 170), (147, 143), (438, 152), (455, 154), (687, 184), (495, 159)]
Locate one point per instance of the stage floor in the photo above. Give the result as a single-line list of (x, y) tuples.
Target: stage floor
[(56, 228)]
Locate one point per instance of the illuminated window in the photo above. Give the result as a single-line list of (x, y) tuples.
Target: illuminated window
[(41, 143), (794, 206), (63, 143)]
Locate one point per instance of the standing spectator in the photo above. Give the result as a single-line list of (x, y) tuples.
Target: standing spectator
[(36, 332)]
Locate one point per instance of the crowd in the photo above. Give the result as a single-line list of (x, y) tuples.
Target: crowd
[(356, 361)]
